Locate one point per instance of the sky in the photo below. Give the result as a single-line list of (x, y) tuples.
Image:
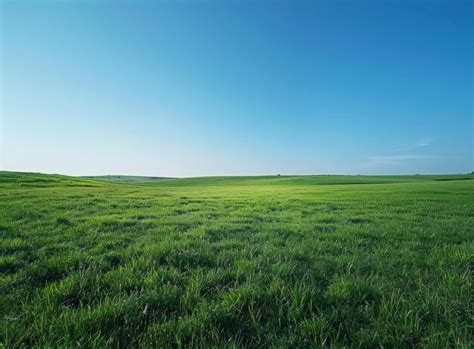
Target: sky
[(198, 88)]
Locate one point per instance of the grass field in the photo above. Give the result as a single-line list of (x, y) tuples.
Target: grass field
[(309, 261)]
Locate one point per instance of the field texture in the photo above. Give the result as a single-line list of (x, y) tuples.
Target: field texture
[(317, 261)]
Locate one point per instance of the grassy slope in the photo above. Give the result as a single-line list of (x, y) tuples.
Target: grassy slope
[(244, 261), (127, 179), (277, 180)]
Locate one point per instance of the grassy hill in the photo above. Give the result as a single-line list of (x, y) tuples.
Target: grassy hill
[(283, 261), (303, 180), (128, 179)]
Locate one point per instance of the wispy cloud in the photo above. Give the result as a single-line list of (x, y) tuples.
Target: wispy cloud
[(395, 159), (406, 154), (420, 143)]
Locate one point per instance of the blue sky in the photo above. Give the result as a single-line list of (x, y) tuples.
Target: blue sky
[(193, 88)]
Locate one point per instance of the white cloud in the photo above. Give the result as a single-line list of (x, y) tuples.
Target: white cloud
[(420, 143), (394, 159), (424, 142)]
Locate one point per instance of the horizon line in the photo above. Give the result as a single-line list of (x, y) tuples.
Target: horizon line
[(240, 175)]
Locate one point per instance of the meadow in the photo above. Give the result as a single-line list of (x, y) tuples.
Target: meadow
[(274, 261)]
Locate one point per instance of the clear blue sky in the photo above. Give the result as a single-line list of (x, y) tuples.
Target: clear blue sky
[(194, 88)]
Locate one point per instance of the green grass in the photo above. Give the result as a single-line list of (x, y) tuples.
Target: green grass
[(276, 261), (129, 179)]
